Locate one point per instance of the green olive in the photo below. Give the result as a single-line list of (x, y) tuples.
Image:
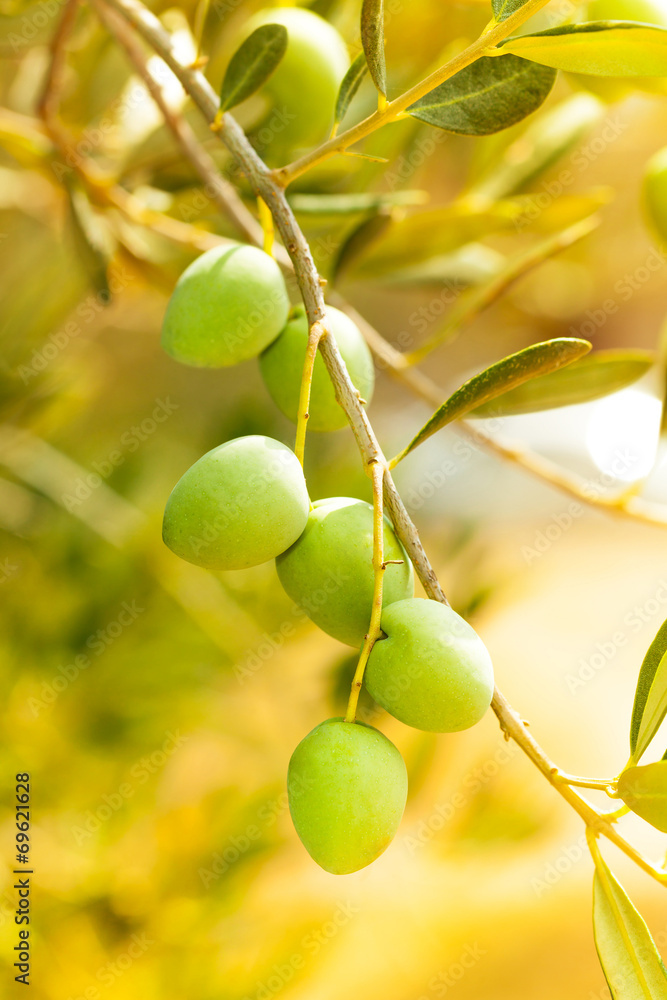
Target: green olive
[(432, 671), (227, 306), (281, 365), (347, 787), (240, 505), (329, 569)]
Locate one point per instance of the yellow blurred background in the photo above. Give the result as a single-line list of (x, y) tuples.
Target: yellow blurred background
[(156, 705)]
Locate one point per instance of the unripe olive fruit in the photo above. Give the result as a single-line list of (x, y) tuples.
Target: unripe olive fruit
[(239, 505), (347, 787), (329, 569), (655, 193), (282, 362), (305, 85), (432, 671), (227, 306)]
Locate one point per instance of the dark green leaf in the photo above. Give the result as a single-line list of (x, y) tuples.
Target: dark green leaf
[(628, 956), (599, 48), (503, 8), (488, 96), (498, 379), (350, 85), (372, 40), (591, 378), (252, 64), (650, 703), (644, 790)]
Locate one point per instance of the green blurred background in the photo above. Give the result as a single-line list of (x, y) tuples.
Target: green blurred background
[(156, 705)]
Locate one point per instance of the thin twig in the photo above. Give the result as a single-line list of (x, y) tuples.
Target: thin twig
[(379, 566)]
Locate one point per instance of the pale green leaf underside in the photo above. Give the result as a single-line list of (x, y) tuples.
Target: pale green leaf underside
[(644, 790), (488, 96), (372, 40), (652, 677), (598, 48), (354, 202), (350, 85), (252, 64), (630, 961), (591, 378), (500, 378), (503, 8)]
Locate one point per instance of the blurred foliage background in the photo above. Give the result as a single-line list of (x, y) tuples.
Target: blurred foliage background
[(156, 705)]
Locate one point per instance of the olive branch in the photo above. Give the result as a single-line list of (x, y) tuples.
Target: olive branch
[(125, 17)]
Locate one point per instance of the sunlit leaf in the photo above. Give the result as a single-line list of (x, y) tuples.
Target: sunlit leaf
[(644, 790), (488, 96), (650, 703), (252, 64), (372, 40), (350, 85), (541, 144), (590, 378), (498, 379), (599, 48), (502, 9), (472, 264), (354, 202), (426, 234), (628, 956), (560, 212), (365, 234)]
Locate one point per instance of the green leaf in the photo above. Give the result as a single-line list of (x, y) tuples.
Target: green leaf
[(354, 202), (432, 232), (599, 48), (372, 40), (367, 232), (541, 144), (350, 85), (644, 790), (498, 379), (591, 378), (472, 264), (650, 703), (252, 64), (503, 8), (628, 956), (488, 96)]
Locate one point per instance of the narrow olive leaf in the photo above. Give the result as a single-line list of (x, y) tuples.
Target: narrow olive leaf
[(488, 96), (503, 8), (541, 144), (92, 241), (591, 378), (432, 232), (252, 64), (367, 232), (500, 378), (350, 85), (653, 668), (628, 956), (644, 790), (598, 48), (372, 40), (354, 202)]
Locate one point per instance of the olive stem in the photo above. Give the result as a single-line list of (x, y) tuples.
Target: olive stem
[(315, 334), (379, 566), (264, 185), (391, 111)]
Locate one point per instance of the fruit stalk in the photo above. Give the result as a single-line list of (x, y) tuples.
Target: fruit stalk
[(315, 334), (379, 566)]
